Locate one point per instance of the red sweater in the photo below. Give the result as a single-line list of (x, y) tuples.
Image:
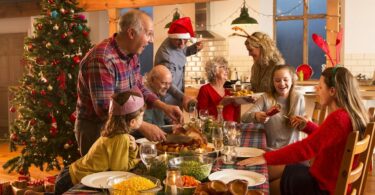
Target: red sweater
[(326, 143), (208, 99)]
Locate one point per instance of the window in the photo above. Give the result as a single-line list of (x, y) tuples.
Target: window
[(296, 21)]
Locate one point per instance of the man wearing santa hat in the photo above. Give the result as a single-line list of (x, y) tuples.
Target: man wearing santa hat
[(173, 52)]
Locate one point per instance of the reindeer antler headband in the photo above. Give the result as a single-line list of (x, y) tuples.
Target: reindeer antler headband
[(322, 44)]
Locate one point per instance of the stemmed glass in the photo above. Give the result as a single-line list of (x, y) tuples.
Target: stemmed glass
[(148, 152), (230, 131), (217, 139), (203, 114)]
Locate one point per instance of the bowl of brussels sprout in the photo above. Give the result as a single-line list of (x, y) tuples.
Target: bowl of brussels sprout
[(198, 167)]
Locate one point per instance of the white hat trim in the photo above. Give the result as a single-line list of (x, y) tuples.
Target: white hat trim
[(179, 36)]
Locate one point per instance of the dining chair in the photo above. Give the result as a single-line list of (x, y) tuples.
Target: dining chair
[(319, 113), (356, 177)]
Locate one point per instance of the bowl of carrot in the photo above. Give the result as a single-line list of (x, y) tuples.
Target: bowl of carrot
[(189, 184)]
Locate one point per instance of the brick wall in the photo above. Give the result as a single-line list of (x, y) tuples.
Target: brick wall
[(195, 64), (361, 64)]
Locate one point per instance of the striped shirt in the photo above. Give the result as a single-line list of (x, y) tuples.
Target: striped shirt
[(106, 70)]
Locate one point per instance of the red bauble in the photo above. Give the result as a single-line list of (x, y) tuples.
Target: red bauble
[(12, 109), (51, 1), (43, 93), (32, 122), (14, 137), (33, 92), (55, 62), (62, 103), (85, 33), (39, 26), (53, 132), (64, 35), (30, 47), (76, 59), (73, 117), (49, 104)]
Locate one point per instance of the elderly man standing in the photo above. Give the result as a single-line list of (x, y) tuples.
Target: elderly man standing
[(173, 52), (112, 66)]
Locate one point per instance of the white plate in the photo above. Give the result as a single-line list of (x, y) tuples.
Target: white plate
[(142, 140), (99, 180), (228, 175), (247, 152)]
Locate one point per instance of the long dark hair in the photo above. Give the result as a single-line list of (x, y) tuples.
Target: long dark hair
[(119, 124), (347, 95)]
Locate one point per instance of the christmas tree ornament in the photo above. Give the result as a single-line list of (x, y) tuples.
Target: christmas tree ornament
[(70, 76), (85, 33), (50, 88), (48, 45), (71, 40), (72, 11), (49, 104), (55, 27), (66, 146), (12, 109), (30, 47), (44, 139), (33, 92), (62, 10), (55, 62), (14, 137), (62, 102), (51, 1), (76, 59), (73, 117), (32, 139), (64, 35), (39, 26), (39, 61), (61, 78), (32, 122), (54, 14), (79, 27), (43, 93)]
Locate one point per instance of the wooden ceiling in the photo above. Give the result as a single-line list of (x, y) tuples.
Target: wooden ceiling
[(25, 8)]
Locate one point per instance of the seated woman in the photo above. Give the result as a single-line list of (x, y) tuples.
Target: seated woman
[(211, 95), (338, 90), (278, 129)]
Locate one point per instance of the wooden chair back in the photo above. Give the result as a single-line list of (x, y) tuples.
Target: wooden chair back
[(319, 113), (356, 177)]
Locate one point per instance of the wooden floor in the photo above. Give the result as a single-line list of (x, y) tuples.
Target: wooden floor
[(37, 174)]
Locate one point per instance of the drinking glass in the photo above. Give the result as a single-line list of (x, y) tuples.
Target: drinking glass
[(203, 114), (229, 128), (217, 139), (148, 152), (230, 154)]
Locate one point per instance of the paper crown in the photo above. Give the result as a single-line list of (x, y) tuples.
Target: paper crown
[(181, 29), (133, 104)]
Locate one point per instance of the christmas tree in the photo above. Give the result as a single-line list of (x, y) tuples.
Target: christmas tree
[(46, 98)]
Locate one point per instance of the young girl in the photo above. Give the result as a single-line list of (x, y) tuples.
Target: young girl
[(115, 150), (277, 127), (338, 90)]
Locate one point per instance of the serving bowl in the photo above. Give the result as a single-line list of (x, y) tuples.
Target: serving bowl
[(198, 167), (115, 183)]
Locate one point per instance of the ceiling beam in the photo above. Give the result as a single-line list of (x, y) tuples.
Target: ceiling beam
[(95, 5)]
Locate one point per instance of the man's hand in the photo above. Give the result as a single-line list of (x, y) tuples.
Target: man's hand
[(152, 132), (171, 111), (199, 45), (188, 100)]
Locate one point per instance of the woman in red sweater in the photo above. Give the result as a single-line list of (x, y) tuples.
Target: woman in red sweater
[(210, 95), (338, 90)]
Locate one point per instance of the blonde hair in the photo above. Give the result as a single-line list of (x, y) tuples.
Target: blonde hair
[(347, 95), (211, 65), (268, 50), (273, 92), (119, 124)]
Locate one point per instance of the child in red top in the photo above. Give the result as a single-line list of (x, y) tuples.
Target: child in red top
[(338, 90)]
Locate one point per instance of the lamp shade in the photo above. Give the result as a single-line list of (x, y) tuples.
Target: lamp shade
[(244, 17)]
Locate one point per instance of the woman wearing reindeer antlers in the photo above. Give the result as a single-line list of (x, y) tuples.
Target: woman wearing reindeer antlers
[(265, 56)]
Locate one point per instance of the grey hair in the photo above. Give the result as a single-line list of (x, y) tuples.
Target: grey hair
[(131, 19), (211, 65)]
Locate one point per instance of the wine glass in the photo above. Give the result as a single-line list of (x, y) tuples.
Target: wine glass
[(203, 114), (217, 139), (148, 152), (230, 131)]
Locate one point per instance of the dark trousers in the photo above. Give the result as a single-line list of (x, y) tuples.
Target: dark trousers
[(63, 182), (296, 179), (86, 132)]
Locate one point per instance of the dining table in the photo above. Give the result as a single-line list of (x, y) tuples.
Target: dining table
[(250, 137)]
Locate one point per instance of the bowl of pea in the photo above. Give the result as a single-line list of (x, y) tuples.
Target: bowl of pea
[(198, 167)]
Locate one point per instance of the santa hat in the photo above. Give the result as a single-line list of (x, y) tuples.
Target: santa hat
[(181, 29), (133, 104)]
